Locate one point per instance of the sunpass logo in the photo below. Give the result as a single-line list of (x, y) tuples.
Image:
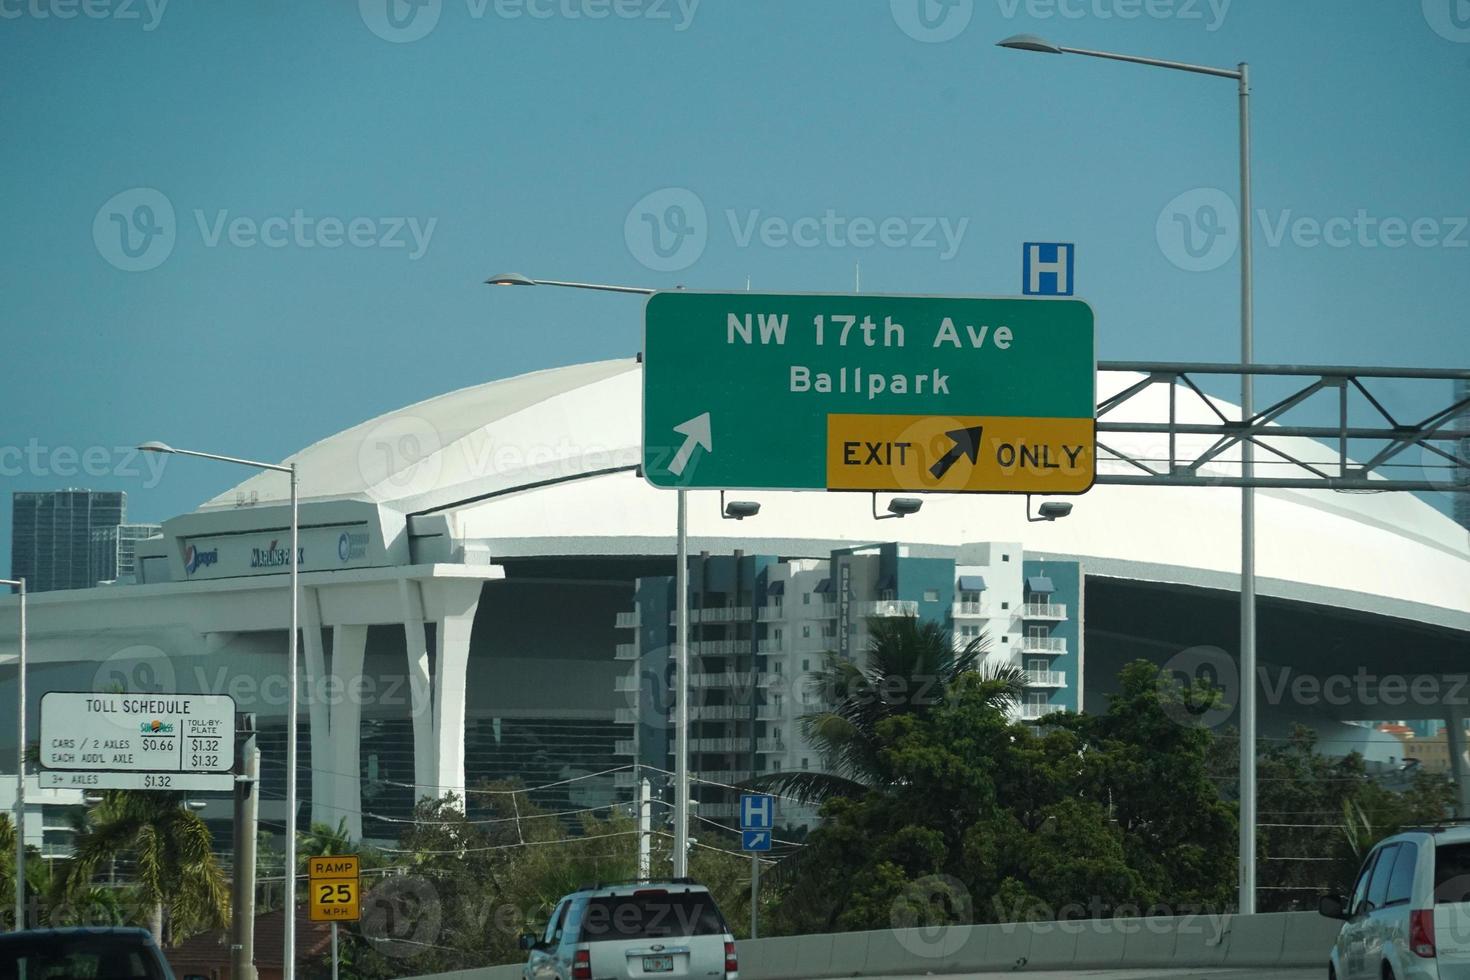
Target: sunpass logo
[(196, 558), (274, 557)]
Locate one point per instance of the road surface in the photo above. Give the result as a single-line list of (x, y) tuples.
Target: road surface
[(1173, 973)]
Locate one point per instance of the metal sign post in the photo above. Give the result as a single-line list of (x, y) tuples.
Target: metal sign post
[(757, 817)]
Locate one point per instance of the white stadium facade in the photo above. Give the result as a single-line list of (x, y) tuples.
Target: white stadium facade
[(465, 562)]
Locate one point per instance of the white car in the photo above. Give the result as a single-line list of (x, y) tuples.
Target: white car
[(634, 931), (1408, 917)]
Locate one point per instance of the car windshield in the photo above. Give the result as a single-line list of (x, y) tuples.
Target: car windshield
[(651, 915), (83, 957), (1452, 873)]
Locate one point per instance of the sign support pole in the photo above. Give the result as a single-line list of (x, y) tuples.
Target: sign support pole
[(755, 890), (247, 806), (334, 951), (681, 708), (20, 768)]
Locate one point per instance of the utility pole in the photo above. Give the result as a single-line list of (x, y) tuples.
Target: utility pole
[(247, 812), (645, 831)]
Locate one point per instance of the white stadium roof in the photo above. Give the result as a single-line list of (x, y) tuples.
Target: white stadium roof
[(541, 464)]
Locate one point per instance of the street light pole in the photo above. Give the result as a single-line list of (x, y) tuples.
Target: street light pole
[(20, 762), (1241, 73), (681, 607), (288, 943)]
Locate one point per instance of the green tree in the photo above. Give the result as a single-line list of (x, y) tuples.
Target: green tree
[(910, 668), (175, 877), (970, 817)]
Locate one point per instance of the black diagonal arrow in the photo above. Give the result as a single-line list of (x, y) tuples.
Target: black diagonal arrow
[(966, 443)]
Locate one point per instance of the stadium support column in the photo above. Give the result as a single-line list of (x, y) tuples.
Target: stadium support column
[(1455, 741), (318, 721), (439, 698), (344, 693)]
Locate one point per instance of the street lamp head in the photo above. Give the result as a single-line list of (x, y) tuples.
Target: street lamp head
[(156, 447), (904, 506), (510, 279), (739, 510), (1029, 42)]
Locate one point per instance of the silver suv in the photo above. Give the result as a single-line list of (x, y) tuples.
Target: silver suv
[(634, 930), (1408, 917)]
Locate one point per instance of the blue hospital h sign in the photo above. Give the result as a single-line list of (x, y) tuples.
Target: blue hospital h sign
[(1047, 267)]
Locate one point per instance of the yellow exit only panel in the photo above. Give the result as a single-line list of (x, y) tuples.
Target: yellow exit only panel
[(961, 454)]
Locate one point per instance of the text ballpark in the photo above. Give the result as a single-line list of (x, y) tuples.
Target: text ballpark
[(837, 330), (301, 230), (274, 556), (857, 381)]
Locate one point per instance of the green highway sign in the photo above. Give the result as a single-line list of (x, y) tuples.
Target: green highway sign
[(869, 392)]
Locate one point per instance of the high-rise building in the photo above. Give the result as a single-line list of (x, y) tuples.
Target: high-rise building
[(761, 628), (51, 535), (115, 550)]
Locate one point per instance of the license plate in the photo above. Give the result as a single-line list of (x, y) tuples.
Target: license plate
[(658, 964)]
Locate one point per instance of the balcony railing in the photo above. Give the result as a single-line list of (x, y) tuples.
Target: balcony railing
[(971, 610), (625, 716), (716, 614), (729, 679), (1046, 678), (627, 620), (827, 610), (961, 641), (1031, 712), (625, 651), (626, 684), (719, 648), (770, 614), (770, 745), (769, 646), (720, 712), (623, 746), (719, 745), (1044, 610), (888, 608), (1043, 644)]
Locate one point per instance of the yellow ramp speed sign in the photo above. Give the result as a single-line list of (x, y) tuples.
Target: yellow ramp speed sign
[(334, 886)]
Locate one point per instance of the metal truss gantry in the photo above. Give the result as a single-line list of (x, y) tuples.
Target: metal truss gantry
[(1193, 454)]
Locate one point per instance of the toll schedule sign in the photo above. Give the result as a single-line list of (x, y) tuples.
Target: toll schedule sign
[(156, 733), (854, 392), (335, 888)]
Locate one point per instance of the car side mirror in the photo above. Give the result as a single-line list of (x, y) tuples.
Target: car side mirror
[(527, 941), (1333, 907)]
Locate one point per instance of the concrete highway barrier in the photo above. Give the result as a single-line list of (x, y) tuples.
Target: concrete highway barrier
[(1278, 939)]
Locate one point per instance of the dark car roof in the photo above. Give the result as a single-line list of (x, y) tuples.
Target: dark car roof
[(128, 932)]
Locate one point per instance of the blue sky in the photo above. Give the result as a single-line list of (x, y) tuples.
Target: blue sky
[(341, 175)]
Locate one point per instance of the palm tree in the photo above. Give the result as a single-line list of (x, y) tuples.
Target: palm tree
[(912, 667), (322, 840), (174, 869)]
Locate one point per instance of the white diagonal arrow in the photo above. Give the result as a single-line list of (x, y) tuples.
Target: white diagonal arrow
[(696, 432), (756, 840)]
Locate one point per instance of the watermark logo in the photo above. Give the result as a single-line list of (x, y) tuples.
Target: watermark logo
[(1211, 13), (923, 915), (149, 12), (400, 457), (1450, 19), (400, 21), (667, 230), (402, 916), (35, 459), (197, 558), (932, 21), (1208, 666), (135, 230), (1199, 230), (138, 669)]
